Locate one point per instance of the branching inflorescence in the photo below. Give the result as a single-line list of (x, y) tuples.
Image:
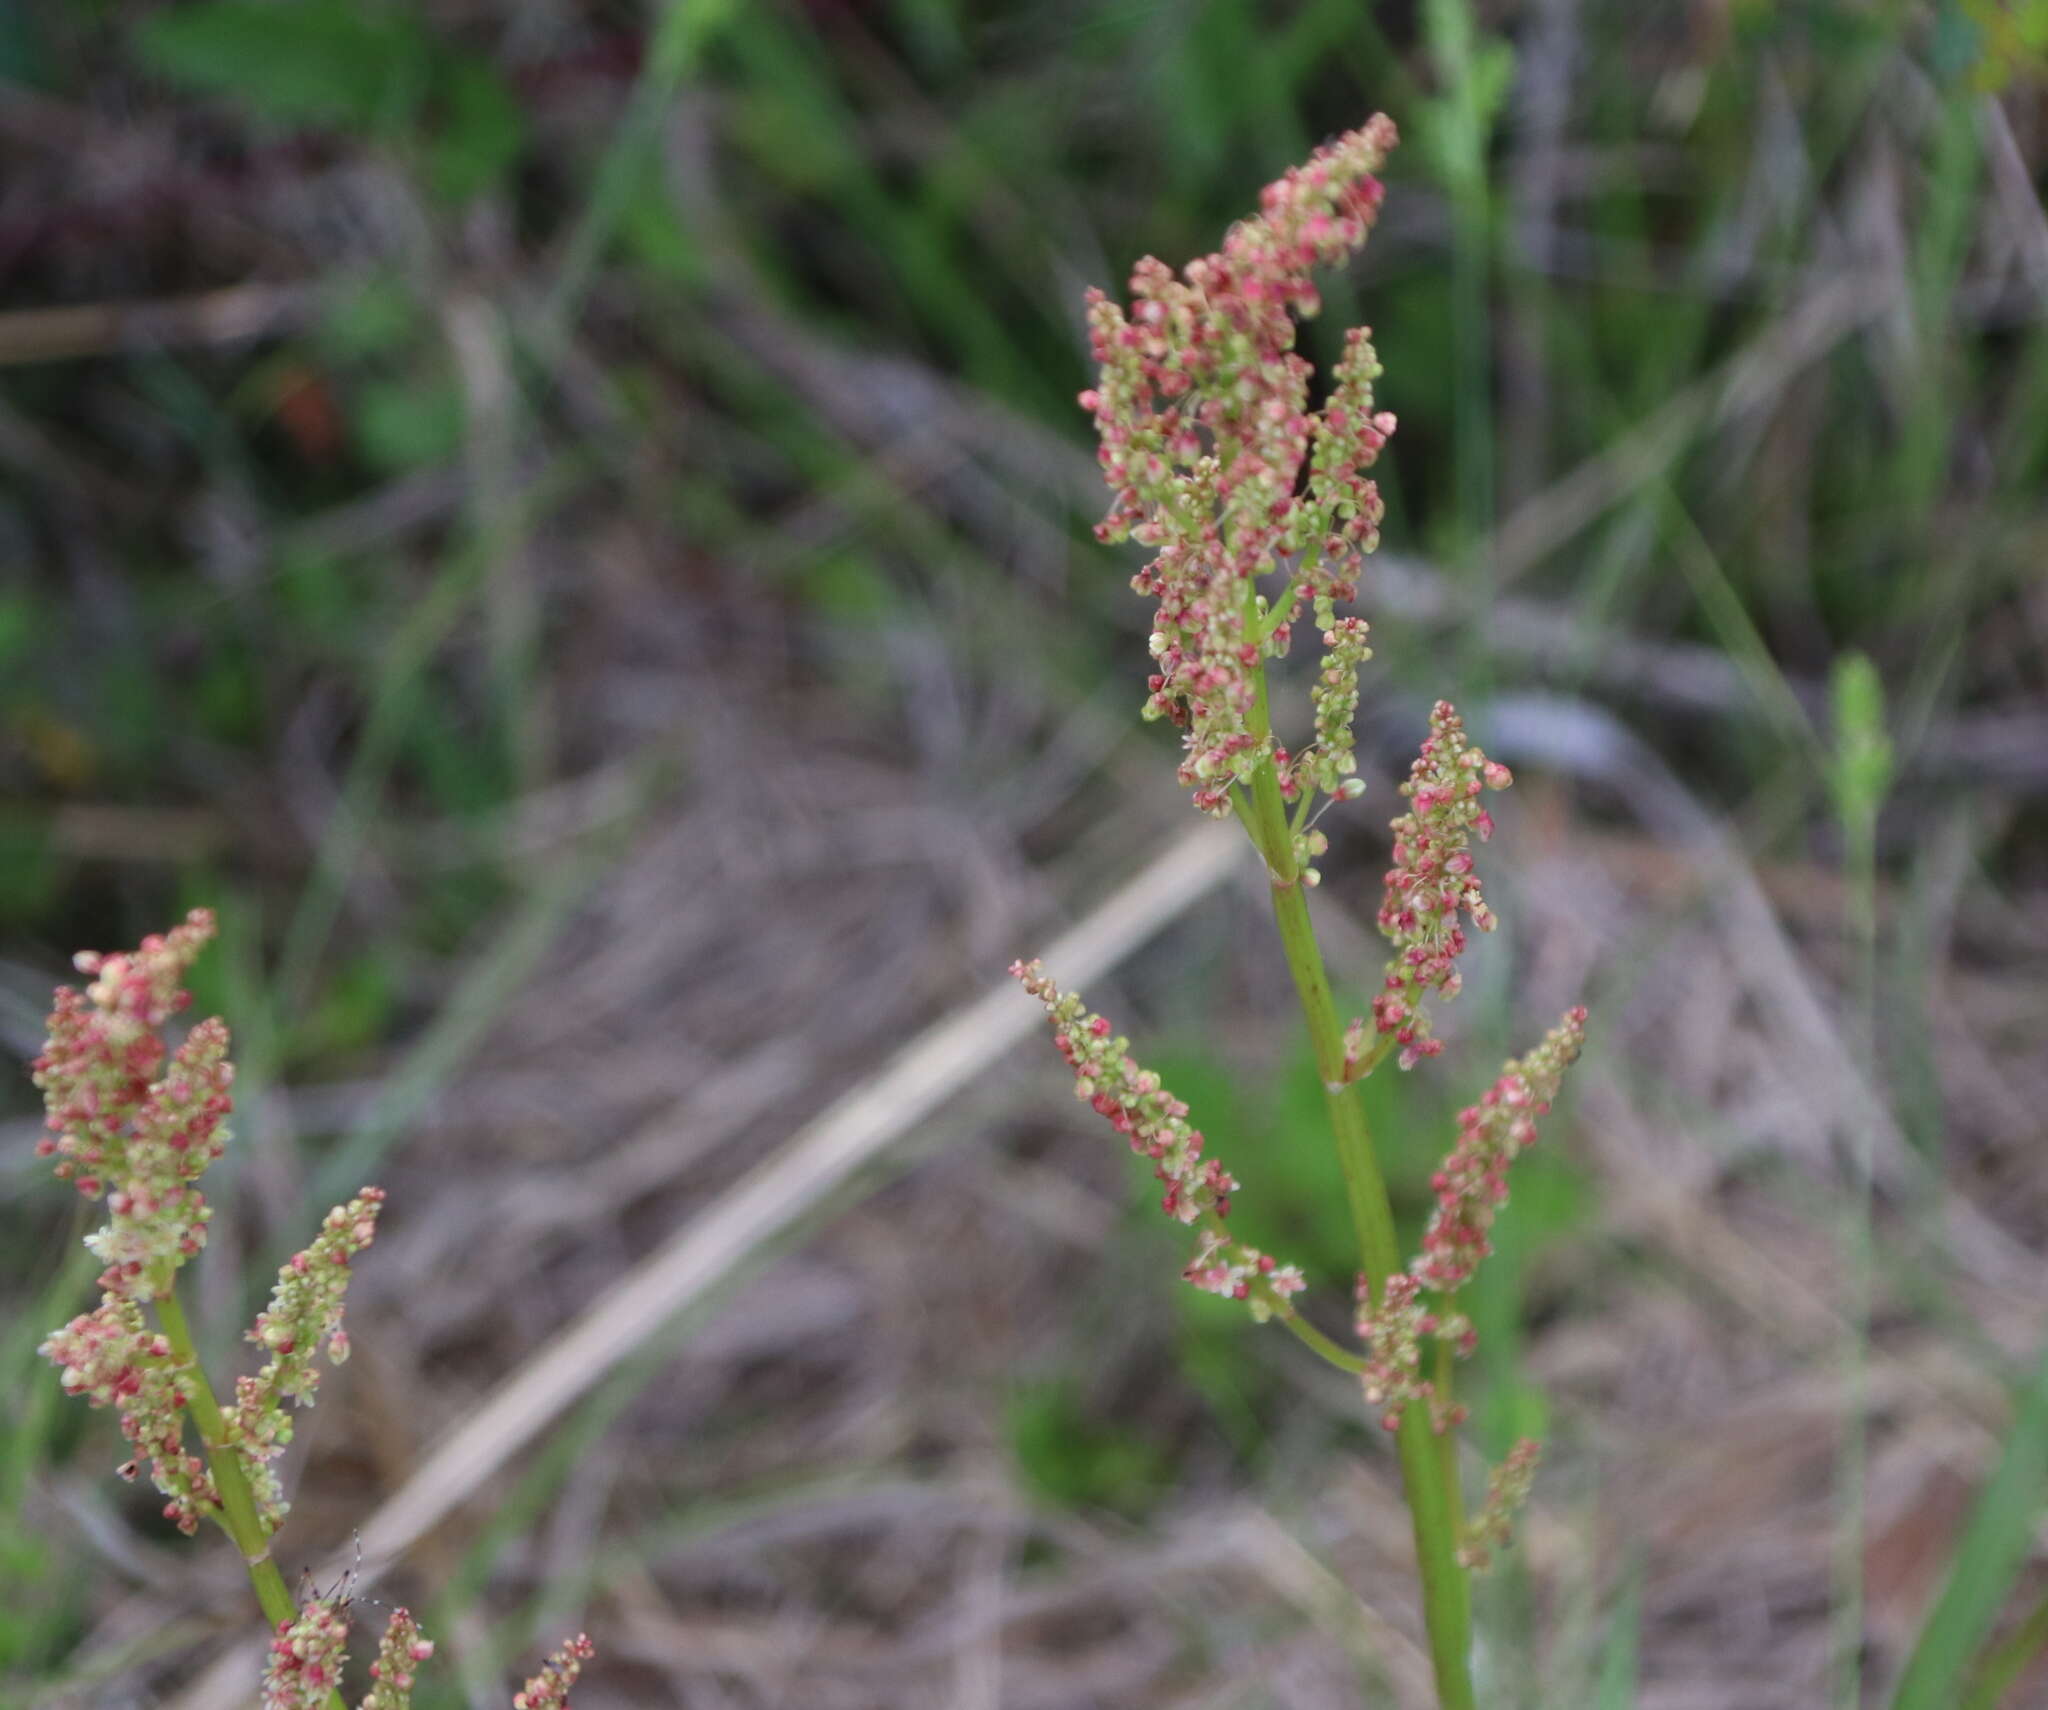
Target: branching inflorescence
[(1203, 417), (135, 1125), (1223, 472)]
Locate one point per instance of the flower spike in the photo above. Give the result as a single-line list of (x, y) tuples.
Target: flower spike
[(136, 1126), (113, 1359), (399, 1655), (1223, 471), (1507, 1491), (1432, 882), (1138, 1107), (1471, 1185), (305, 1310)]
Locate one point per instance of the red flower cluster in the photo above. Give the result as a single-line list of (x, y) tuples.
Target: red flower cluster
[(401, 1651), (1221, 469), (1394, 1330), (127, 1128), (549, 1690), (1472, 1182), (309, 1651), (118, 1131), (1432, 881), (137, 1126), (113, 1359), (1203, 417), (306, 1658)]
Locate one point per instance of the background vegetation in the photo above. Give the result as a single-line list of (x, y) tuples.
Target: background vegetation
[(567, 522)]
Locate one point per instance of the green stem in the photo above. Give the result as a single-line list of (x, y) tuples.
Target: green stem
[(1444, 1593), (1298, 821), (1859, 1253), (2001, 1667), (237, 1514), (1270, 620), (1266, 625), (1305, 1332), (1242, 807), (1317, 1342), (1447, 1474)]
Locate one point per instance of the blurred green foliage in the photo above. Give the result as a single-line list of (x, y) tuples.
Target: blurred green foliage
[(1070, 1454), (373, 70)]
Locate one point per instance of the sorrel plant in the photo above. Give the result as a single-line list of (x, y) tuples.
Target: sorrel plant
[(133, 1125), (1259, 510)]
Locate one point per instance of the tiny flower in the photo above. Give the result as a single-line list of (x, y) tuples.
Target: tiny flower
[(1238, 1271), (1507, 1489), (1432, 883), (1356, 1050), (306, 1658), (399, 1655), (549, 1690)]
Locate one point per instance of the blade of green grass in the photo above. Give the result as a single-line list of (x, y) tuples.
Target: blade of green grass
[(46, 1590), (1860, 777), (27, 1423), (2005, 1663), (1995, 1546), (1472, 77), (680, 37), (1617, 1685), (806, 127)]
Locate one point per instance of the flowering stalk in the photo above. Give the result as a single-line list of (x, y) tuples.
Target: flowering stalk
[(1428, 1478), (1219, 466), (135, 1126)]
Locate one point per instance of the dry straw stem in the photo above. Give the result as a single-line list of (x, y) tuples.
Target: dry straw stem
[(813, 1164), (234, 314)]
